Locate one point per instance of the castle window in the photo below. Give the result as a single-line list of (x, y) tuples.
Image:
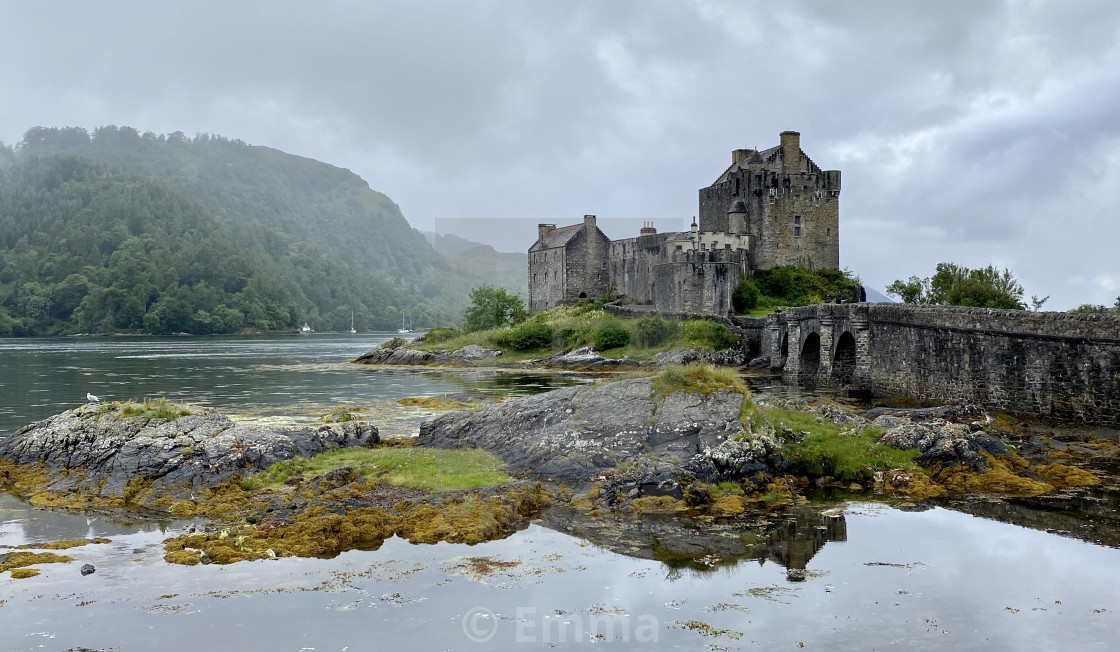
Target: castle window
[(797, 219), (678, 247), (797, 231), (727, 246), (703, 247)]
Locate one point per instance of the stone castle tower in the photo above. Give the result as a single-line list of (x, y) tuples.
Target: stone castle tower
[(769, 208), (786, 204)]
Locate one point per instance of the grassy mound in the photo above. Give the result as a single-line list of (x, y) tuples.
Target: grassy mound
[(587, 324), (427, 469)]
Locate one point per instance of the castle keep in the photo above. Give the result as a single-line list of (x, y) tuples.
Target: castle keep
[(769, 208)]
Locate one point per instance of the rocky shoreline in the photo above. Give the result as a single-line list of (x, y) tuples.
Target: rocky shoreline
[(693, 455)]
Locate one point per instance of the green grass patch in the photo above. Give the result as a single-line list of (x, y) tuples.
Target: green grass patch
[(827, 451), (587, 324), (419, 468), (699, 378), (149, 408), (726, 488)]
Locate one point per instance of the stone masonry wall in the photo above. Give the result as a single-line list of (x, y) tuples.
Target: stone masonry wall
[(546, 284), (1061, 365)]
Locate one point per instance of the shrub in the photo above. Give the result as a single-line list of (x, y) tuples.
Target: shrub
[(700, 378), (611, 338), (441, 334), (745, 296), (653, 331), (526, 336), (704, 333)]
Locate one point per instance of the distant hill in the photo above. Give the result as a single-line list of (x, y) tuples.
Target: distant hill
[(875, 296), (84, 248), (332, 243), (483, 262)]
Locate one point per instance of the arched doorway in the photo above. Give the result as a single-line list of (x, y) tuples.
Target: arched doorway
[(810, 359), (583, 295), (844, 363)]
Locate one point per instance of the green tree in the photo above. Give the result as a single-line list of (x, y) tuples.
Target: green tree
[(492, 308), (745, 296), (956, 285)]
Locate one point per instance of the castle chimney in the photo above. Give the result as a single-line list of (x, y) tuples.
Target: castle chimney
[(694, 227), (647, 229), (791, 152), (589, 222), (739, 154), (543, 230)]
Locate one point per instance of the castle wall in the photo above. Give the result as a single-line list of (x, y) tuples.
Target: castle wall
[(698, 282), (631, 266), (585, 264), (546, 284)]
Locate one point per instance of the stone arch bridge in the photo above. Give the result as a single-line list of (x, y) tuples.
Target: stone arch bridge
[(1060, 365)]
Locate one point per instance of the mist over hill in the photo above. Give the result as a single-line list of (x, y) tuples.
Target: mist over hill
[(324, 242)]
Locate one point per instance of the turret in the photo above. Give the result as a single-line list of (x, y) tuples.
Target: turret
[(791, 152), (737, 217), (543, 230)]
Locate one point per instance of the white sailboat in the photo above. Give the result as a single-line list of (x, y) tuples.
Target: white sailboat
[(402, 330), (352, 331)]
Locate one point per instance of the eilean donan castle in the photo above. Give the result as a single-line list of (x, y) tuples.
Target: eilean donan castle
[(769, 208)]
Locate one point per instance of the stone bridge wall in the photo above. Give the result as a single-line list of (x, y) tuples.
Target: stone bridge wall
[(1054, 364)]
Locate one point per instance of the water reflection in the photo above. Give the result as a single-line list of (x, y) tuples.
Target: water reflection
[(790, 539)]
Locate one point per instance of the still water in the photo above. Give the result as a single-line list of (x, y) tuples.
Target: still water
[(855, 575), (285, 377)]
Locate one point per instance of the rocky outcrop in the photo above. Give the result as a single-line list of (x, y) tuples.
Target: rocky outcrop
[(939, 441), (584, 359), (398, 352), (576, 433), (98, 450), (725, 358)]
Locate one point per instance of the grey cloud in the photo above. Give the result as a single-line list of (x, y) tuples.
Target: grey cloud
[(965, 129)]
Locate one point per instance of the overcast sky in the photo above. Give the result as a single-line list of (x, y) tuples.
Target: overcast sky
[(974, 132)]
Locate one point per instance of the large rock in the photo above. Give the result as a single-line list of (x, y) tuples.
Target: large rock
[(573, 434), (398, 352), (724, 358), (584, 359), (940, 442), (202, 449)]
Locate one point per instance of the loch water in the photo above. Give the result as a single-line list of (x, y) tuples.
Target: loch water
[(846, 573)]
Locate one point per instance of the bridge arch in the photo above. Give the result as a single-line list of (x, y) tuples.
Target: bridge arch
[(810, 359), (844, 360)]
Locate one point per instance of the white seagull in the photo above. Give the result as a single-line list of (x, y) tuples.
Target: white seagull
[(91, 398)]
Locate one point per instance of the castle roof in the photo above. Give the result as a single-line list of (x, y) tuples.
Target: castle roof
[(557, 237), (767, 157), (764, 157)]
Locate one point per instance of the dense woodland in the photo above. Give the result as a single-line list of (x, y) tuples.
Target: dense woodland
[(116, 231)]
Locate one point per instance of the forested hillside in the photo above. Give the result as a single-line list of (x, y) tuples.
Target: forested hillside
[(86, 249), (212, 211)]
